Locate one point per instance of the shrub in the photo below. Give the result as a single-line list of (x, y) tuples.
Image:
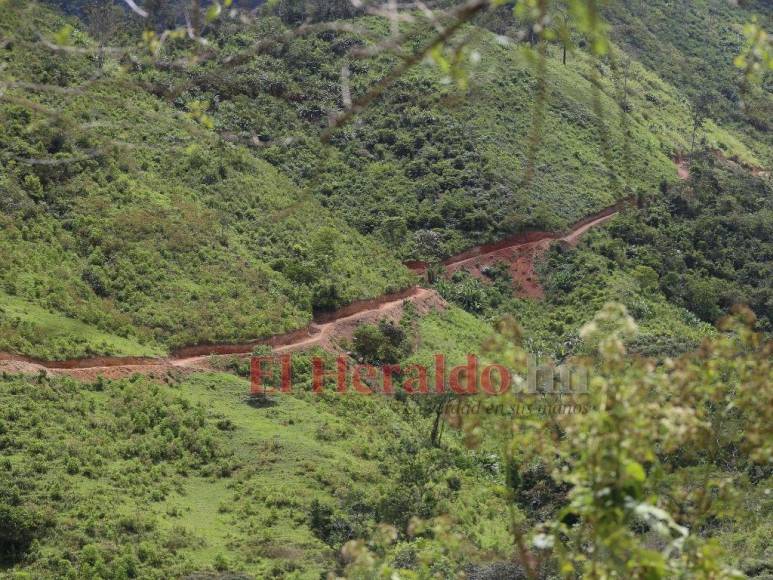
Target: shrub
[(19, 526), (386, 343)]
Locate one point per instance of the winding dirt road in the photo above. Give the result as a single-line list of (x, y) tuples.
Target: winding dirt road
[(327, 331), (520, 252)]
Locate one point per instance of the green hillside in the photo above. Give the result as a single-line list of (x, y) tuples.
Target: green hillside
[(171, 233), (697, 56), (143, 479), (145, 224), (163, 187), (191, 475), (430, 168)]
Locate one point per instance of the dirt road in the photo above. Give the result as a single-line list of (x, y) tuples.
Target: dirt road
[(520, 253), (329, 329)]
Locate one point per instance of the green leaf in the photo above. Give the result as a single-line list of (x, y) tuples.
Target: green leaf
[(64, 35), (635, 470), (213, 12)]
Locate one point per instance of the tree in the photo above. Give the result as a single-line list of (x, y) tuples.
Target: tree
[(700, 111), (104, 21), (562, 30), (385, 343), (18, 527)]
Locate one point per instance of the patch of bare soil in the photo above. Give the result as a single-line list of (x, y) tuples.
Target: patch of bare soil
[(522, 256), (12, 367), (520, 260), (329, 335), (163, 371), (330, 329), (682, 167)]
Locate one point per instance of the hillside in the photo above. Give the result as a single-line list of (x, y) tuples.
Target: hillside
[(183, 191), (276, 245), (188, 475), (697, 57), (145, 225), (429, 167)]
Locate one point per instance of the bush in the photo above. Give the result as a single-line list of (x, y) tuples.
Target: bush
[(19, 526), (386, 343)]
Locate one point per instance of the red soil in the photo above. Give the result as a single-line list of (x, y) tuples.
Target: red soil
[(325, 334), (682, 167), (328, 329), (522, 257), (520, 252)]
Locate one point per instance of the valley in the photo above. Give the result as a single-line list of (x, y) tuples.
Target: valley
[(521, 191)]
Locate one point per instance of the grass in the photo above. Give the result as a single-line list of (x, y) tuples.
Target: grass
[(174, 237), (191, 476), (696, 57), (32, 330), (431, 168), (195, 509), (452, 332), (729, 144), (181, 238), (241, 499)]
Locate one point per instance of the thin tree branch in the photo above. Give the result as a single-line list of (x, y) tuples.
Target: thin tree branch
[(130, 3), (462, 16)]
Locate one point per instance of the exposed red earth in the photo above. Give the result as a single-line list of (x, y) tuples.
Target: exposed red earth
[(682, 167), (330, 328), (520, 252), (326, 332)]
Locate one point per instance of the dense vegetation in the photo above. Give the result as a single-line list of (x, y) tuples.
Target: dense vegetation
[(131, 478), (162, 232), (161, 220), (708, 240), (195, 191), (689, 254), (697, 56), (430, 168)]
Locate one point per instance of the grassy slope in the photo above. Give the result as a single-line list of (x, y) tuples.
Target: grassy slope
[(691, 44), (130, 478), (189, 476), (429, 168), (580, 282), (187, 222), (168, 235), (28, 328)]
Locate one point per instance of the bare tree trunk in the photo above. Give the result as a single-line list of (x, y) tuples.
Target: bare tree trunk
[(625, 84), (196, 17), (435, 436)]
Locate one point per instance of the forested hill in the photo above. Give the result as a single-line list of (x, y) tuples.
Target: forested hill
[(430, 166), (161, 175), (693, 45), (200, 173), (121, 211)]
